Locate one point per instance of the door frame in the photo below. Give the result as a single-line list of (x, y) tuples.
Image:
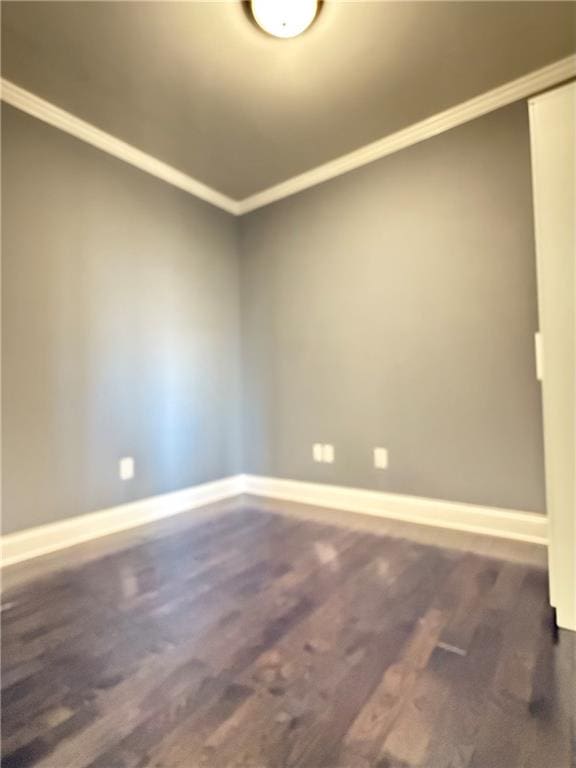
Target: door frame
[(553, 147)]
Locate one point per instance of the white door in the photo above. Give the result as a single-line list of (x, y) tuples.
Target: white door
[(553, 141)]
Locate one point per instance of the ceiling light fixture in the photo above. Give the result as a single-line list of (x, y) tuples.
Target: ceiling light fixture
[(284, 18)]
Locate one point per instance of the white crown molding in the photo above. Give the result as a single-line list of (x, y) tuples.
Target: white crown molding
[(459, 516), (43, 110), (43, 539), (525, 86)]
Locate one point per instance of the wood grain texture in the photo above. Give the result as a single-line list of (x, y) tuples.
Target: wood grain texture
[(264, 640)]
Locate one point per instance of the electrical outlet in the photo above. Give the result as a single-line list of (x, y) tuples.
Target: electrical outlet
[(380, 458), (126, 468), (328, 454), (317, 452)]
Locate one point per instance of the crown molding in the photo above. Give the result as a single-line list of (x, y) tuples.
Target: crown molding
[(528, 85), (506, 94), (43, 110)]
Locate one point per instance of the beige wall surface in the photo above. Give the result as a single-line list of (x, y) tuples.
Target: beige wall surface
[(120, 330), (395, 306)]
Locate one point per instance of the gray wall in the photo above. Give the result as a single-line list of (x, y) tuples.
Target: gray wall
[(395, 306), (120, 330)]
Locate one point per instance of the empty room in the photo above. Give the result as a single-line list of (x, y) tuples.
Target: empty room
[(288, 384)]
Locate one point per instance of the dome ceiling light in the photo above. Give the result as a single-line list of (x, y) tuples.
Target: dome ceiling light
[(284, 18)]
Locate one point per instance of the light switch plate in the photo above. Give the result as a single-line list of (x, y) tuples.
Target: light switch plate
[(317, 452)]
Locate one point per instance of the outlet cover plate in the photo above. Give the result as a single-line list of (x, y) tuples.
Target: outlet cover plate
[(126, 468)]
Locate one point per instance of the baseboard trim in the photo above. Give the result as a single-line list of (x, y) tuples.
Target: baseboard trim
[(41, 540), (502, 523)]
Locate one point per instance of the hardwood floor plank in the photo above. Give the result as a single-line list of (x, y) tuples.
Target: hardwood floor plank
[(552, 738), (395, 641), (296, 675), (206, 630), (468, 678), (503, 731), (264, 673), (265, 640), (411, 735), (377, 719), (101, 652), (119, 577)]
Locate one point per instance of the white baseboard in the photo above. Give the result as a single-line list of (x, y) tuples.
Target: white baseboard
[(43, 539), (503, 523)]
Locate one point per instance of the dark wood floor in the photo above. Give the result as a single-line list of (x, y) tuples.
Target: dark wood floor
[(261, 640)]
